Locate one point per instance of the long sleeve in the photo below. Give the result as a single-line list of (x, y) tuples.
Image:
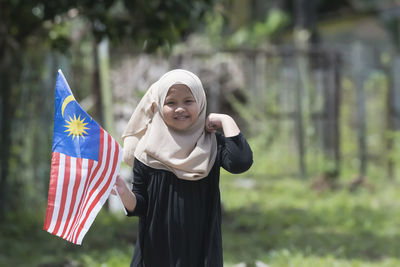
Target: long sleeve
[(236, 154), (139, 188), (180, 220)]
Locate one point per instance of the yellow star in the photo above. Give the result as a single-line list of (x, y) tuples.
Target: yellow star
[(76, 127)]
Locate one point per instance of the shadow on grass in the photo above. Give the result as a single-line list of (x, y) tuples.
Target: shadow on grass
[(250, 234)]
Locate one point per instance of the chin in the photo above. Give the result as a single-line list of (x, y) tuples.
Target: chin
[(182, 128)]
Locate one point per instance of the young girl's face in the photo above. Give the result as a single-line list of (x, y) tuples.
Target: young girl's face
[(180, 110)]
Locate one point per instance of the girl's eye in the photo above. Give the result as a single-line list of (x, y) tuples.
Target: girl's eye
[(170, 103), (189, 101)]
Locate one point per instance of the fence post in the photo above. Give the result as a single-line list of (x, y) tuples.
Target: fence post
[(357, 59), (331, 132), (105, 85), (336, 109), (301, 114), (393, 106)]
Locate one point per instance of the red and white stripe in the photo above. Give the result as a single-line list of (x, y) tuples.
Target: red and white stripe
[(79, 188)]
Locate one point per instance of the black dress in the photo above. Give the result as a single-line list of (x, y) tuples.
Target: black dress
[(180, 220)]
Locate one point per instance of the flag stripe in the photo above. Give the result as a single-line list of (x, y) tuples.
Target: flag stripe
[(83, 194), (93, 177), (94, 207), (55, 163), (67, 194), (76, 182), (95, 185), (82, 201), (57, 201), (63, 194), (81, 174)]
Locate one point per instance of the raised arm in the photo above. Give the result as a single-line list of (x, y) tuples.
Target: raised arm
[(236, 154)]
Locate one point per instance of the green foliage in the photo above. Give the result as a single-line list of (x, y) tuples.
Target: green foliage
[(154, 23), (256, 34), (214, 27), (260, 32)]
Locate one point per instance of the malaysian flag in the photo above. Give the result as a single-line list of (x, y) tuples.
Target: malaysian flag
[(84, 165)]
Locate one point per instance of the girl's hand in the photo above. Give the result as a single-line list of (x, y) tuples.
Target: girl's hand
[(120, 185), (216, 121)]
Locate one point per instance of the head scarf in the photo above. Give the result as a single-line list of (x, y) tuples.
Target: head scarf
[(189, 154)]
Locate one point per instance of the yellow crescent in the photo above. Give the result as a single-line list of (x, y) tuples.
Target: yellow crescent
[(65, 103)]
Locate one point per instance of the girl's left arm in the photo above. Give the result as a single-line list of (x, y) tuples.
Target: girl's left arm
[(236, 154)]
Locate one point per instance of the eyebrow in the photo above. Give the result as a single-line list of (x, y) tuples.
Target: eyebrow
[(186, 97)]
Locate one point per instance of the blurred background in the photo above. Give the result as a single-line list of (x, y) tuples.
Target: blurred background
[(312, 84)]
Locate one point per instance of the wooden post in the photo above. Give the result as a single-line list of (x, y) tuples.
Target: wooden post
[(393, 105), (336, 109), (299, 120), (357, 56), (331, 133), (302, 102), (304, 34), (105, 90), (105, 87)]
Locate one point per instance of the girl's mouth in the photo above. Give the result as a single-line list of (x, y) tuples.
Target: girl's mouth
[(181, 117)]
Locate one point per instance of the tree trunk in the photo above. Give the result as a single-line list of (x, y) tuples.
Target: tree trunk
[(5, 141), (10, 69)]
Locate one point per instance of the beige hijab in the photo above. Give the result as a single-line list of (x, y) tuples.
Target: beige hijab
[(189, 154)]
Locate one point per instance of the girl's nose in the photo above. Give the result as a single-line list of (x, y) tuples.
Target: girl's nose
[(179, 109)]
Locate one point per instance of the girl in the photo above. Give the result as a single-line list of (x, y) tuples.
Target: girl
[(176, 155)]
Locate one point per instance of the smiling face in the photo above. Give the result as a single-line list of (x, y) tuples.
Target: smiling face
[(180, 110)]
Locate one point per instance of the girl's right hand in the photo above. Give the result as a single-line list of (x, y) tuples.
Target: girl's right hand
[(120, 185)]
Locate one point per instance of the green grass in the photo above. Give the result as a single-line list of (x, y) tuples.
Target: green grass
[(280, 222), (285, 223), (109, 242)]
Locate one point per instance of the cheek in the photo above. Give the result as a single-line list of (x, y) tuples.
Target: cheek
[(196, 113), (195, 110), (165, 112)]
